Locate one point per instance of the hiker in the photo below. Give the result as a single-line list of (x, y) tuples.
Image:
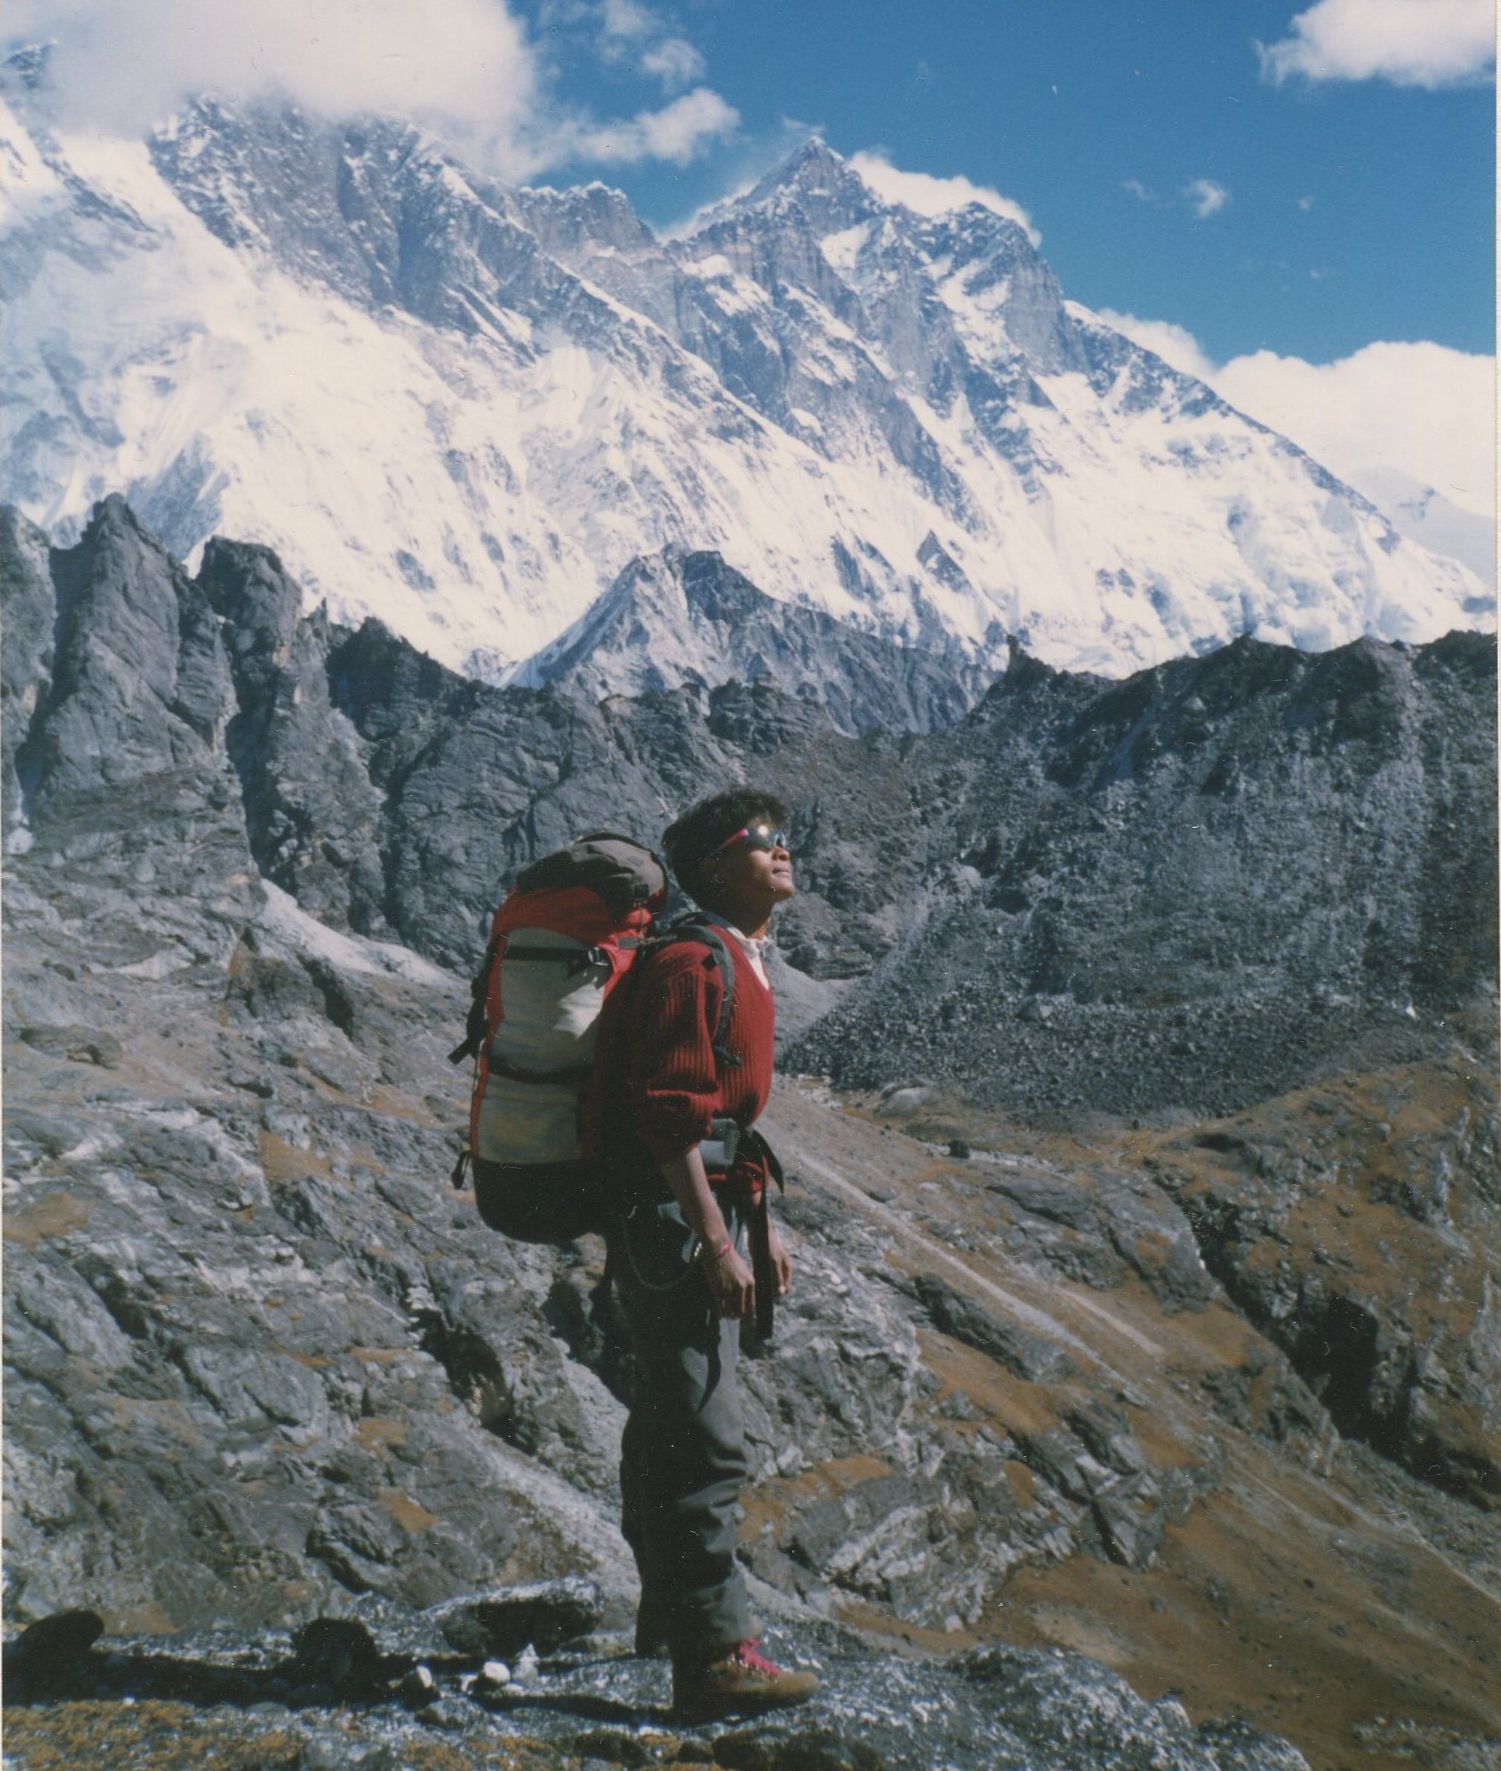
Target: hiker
[(696, 1254)]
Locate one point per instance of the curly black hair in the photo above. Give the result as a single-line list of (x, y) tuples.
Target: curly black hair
[(702, 828)]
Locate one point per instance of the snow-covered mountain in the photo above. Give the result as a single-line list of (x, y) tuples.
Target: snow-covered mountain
[(672, 618), (467, 409), (1421, 512)]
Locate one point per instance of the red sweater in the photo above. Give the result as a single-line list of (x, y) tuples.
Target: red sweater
[(673, 1083)]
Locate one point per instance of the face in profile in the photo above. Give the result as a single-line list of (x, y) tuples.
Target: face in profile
[(751, 873)]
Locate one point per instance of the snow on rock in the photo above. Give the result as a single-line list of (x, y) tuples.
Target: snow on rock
[(466, 409)]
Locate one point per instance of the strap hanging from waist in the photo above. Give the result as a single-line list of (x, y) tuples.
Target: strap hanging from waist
[(762, 1270)]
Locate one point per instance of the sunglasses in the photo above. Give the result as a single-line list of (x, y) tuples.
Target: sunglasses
[(754, 836)]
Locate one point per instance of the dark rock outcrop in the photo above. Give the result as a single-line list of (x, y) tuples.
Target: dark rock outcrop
[(312, 813), (1303, 1232), (543, 1616), (1186, 891), (26, 660)]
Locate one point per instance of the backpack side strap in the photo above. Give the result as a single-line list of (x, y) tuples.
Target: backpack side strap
[(478, 1022)]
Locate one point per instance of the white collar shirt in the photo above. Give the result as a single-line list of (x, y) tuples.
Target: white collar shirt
[(753, 946)]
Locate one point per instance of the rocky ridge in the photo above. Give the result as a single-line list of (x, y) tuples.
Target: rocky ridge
[(263, 1365), (1177, 893), (1185, 891)]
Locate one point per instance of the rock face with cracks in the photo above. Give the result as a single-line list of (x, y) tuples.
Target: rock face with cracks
[(265, 1366)]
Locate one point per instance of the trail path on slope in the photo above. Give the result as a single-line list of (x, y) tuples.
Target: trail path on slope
[(1034, 1317)]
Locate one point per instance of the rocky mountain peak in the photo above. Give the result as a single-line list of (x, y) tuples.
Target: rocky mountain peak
[(250, 589), (346, 206), (26, 70), (817, 182)]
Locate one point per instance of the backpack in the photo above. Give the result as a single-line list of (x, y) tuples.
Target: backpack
[(562, 942)]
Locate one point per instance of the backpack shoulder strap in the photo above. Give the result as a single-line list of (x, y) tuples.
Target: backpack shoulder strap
[(696, 927)]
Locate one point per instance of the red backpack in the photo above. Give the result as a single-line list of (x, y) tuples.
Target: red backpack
[(563, 940)]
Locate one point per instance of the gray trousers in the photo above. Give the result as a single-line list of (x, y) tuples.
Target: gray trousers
[(682, 1457)]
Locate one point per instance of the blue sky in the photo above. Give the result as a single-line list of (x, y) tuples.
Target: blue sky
[(1354, 210)]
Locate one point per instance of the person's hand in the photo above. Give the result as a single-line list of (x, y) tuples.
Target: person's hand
[(781, 1263), (732, 1288)]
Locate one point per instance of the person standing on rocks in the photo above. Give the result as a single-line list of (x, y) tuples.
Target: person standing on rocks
[(697, 1253)]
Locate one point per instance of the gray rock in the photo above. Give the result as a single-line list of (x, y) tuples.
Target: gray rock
[(1022, 1709), (1032, 977), (1088, 974), (1028, 1355), (29, 604), (311, 810), (82, 1045), (419, 1688), (139, 683)]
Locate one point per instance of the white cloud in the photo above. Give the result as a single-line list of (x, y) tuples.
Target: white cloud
[(1141, 192), (1207, 197), (122, 68), (629, 31), (927, 195), (628, 20), (1428, 43), (1421, 408), (676, 133), (1173, 343), (674, 61), (1417, 413), (479, 80)]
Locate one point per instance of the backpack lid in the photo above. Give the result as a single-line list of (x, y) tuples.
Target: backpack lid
[(625, 873)]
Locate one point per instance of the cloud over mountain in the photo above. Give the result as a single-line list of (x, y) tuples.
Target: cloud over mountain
[(126, 68), (479, 78), (1395, 419), (925, 194), (675, 133)]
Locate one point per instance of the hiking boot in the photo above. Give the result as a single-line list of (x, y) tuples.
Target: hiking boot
[(739, 1682)]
